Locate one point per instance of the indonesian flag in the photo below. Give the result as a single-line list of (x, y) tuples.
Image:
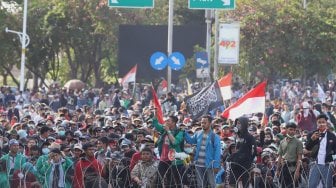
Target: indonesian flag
[(157, 105), (252, 102), (225, 86), (164, 85), (130, 76)]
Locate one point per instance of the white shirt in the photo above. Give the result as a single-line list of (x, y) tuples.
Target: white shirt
[(322, 150)]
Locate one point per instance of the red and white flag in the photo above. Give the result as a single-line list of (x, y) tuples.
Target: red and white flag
[(130, 76), (252, 102), (225, 86), (164, 85), (157, 105)]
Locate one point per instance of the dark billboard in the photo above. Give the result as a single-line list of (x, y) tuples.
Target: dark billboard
[(138, 42)]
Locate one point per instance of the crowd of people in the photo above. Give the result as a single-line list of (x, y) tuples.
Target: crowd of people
[(109, 138)]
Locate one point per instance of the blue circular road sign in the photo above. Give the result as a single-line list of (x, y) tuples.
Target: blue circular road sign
[(158, 61), (176, 61)]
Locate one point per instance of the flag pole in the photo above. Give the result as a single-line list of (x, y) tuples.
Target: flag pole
[(134, 84)]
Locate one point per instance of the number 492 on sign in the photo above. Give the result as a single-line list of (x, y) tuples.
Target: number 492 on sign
[(228, 44)]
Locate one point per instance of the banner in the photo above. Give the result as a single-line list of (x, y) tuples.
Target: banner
[(130, 76), (228, 50), (252, 102), (157, 105), (225, 86), (204, 101)]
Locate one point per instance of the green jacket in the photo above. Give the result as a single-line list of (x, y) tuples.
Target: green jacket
[(18, 164), (179, 137), (46, 171), (41, 161)]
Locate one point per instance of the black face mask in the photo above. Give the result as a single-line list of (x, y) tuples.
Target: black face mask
[(268, 142), (276, 123)]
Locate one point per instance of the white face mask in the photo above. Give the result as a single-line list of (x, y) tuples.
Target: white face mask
[(45, 151), (188, 150)]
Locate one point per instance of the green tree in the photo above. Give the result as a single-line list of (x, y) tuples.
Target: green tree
[(281, 39)]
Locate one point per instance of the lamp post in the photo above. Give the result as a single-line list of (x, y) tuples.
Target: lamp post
[(24, 39), (170, 39), (209, 15)]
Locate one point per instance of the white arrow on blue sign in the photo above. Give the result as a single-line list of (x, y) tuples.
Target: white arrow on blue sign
[(158, 61), (176, 61), (201, 60)]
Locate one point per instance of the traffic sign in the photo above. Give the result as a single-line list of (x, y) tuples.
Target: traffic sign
[(201, 60), (202, 65), (131, 3), (176, 61), (158, 61), (212, 4)]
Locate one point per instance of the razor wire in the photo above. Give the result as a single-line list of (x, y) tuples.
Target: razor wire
[(118, 175)]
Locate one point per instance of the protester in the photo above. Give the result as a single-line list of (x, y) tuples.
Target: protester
[(144, 173), (246, 151), (13, 161), (207, 154), (289, 160), (171, 138), (121, 126), (88, 171), (56, 169), (321, 145)]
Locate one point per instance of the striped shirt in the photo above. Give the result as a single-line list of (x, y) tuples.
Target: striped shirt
[(201, 153)]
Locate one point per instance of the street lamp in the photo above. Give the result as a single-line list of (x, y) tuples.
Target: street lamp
[(170, 39), (24, 39)]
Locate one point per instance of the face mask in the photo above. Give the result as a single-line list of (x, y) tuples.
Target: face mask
[(268, 142), (45, 151), (188, 150), (61, 133), (276, 123)]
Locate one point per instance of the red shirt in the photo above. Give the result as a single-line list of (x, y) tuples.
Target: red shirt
[(81, 167)]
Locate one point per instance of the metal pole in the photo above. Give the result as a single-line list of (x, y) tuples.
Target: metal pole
[(23, 42), (208, 38), (170, 39), (215, 75)]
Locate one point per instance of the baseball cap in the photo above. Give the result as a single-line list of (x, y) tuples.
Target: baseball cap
[(12, 142), (78, 146)]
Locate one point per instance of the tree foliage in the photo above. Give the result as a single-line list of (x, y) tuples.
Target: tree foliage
[(79, 38), (282, 39)]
